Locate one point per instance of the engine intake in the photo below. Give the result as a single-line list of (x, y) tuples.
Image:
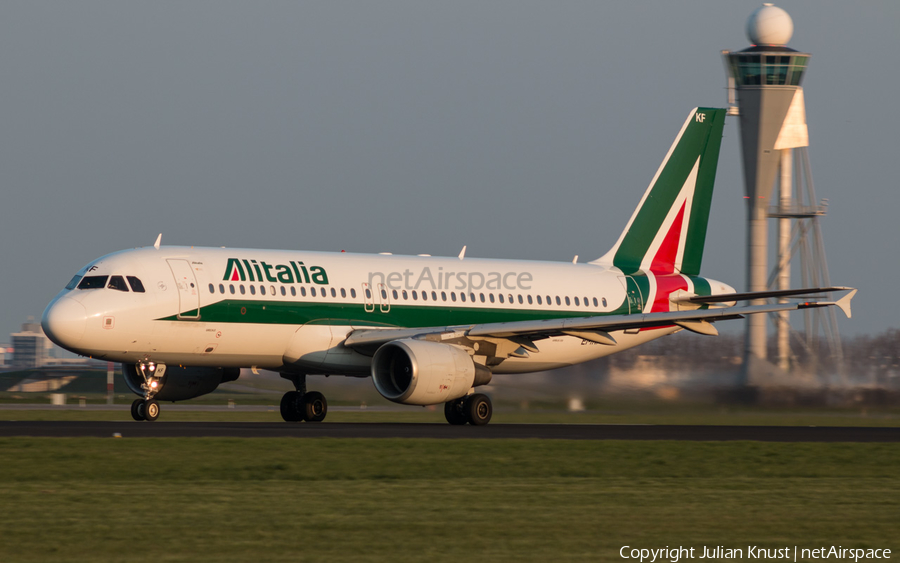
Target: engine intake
[(419, 372)]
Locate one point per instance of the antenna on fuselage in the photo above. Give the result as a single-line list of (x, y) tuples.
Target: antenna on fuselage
[(158, 240), (462, 253)]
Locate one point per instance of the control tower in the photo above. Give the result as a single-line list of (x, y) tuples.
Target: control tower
[(767, 78)]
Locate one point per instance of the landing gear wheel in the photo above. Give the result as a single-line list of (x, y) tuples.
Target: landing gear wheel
[(478, 409), (453, 412), (315, 407), (290, 407), (151, 410), (137, 408)]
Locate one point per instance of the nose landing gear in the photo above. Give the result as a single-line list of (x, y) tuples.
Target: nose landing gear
[(299, 406), (153, 375)]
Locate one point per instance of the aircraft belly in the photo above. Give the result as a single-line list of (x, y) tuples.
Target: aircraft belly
[(220, 344), (564, 351)]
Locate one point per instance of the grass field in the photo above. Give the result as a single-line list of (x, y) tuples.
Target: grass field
[(413, 500)]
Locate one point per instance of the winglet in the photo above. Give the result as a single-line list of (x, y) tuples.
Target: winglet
[(844, 303), (462, 253), (158, 240)]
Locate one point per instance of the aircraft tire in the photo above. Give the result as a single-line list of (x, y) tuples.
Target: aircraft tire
[(314, 407), (136, 410), (290, 407), (478, 409), (453, 412), (151, 411)]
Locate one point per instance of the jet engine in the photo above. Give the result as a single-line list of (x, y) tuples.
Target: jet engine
[(180, 383), (420, 372)]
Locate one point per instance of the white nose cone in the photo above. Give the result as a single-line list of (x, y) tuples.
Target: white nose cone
[(770, 25), (63, 322)]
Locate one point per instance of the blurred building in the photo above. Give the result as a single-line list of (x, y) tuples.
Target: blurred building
[(30, 347)]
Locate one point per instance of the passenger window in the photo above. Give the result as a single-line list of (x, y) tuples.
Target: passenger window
[(567, 300), (604, 301), (472, 297), (520, 299), (415, 296), (221, 288), (312, 291), (262, 290), (118, 283), (434, 296), (576, 301), (500, 297), (443, 296), (333, 292), (302, 291), (230, 288), (395, 294), (293, 291), (383, 294), (586, 304), (73, 283), (539, 300), (284, 291), (558, 302), (453, 296), (481, 296), (491, 297), (352, 293), (212, 288), (243, 291), (424, 296), (272, 289), (595, 301), (405, 295), (93, 282), (550, 300), (368, 294), (136, 285), (462, 297), (510, 299), (252, 290), (343, 292), (530, 302)]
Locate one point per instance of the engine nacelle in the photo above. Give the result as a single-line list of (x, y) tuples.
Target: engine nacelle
[(180, 383), (419, 372)]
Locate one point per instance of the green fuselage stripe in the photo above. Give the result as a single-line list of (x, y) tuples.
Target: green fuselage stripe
[(355, 314)]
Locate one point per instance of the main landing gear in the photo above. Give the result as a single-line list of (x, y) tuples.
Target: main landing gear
[(476, 409), (146, 408), (300, 405)]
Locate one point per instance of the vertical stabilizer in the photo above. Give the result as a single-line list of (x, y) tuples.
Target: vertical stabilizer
[(667, 231)]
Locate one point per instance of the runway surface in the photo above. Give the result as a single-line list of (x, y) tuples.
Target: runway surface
[(159, 429)]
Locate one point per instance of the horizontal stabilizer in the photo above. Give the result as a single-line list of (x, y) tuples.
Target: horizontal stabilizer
[(730, 297)]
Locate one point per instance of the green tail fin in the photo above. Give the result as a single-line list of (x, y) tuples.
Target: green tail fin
[(667, 231)]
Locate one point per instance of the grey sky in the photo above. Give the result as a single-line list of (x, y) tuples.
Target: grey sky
[(522, 129)]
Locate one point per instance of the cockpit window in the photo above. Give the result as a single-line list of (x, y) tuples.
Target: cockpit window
[(74, 283), (117, 283), (93, 282), (136, 285)]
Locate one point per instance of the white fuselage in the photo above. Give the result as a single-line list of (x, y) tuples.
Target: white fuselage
[(291, 311)]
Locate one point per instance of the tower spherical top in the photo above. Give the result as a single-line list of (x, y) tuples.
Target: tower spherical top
[(769, 25)]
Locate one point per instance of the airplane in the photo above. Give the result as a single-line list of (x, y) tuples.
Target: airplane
[(427, 330)]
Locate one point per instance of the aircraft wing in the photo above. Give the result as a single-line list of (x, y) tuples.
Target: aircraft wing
[(594, 328)]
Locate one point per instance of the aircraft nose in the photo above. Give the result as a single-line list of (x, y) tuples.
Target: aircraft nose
[(64, 321)]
